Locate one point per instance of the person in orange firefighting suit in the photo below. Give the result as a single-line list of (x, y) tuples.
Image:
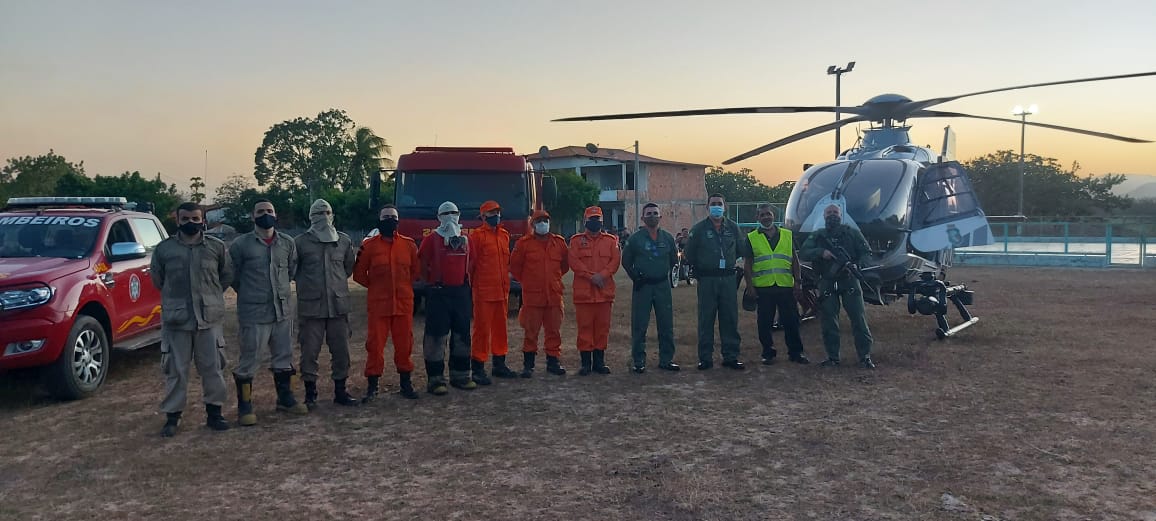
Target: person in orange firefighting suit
[(539, 260), (489, 270), (388, 266), (594, 258)]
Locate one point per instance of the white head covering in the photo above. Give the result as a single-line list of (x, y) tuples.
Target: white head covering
[(449, 227), (321, 225)]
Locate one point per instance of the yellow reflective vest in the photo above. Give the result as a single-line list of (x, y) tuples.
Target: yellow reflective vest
[(772, 267)]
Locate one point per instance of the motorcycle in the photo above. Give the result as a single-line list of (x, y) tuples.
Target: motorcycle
[(681, 272)]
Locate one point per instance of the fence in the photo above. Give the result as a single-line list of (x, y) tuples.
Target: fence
[(1075, 244)]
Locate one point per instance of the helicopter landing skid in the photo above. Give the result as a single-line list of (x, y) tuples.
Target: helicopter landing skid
[(942, 334)]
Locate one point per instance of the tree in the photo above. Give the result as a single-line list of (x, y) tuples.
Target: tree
[(197, 184), (574, 195), (131, 185), (370, 155), (1049, 189), (304, 153), (743, 186), (32, 176)]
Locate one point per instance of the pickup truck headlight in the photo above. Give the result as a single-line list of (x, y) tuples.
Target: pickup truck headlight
[(22, 298)]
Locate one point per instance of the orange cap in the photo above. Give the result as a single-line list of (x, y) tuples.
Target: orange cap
[(490, 205), (592, 211), (538, 214)]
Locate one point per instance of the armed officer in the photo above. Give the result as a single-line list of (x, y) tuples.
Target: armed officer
[(832, 249)]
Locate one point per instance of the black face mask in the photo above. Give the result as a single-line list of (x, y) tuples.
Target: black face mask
[(191, 228), (833, 221), (594, 225), (387, 227), (265, 221), (493, 220)]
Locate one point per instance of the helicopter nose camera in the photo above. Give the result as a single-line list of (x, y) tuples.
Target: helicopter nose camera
[(929, 296)]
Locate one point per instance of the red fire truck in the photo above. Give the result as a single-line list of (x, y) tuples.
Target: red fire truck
[(469, 176)]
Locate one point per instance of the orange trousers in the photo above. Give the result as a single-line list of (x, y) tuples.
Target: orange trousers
[(533, 319), (400, 327), (593, 325), (489, 336)]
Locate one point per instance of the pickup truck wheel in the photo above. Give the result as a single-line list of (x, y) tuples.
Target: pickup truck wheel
[(83, 363)]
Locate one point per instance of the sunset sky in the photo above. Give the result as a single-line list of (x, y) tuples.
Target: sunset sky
[(151, 85)]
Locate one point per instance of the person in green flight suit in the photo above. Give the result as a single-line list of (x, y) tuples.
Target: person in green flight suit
[(713, 251), (648, 256), (837, 284)]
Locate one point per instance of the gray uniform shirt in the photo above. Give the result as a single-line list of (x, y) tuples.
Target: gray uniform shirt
[(192, 279), (263, 272), (323, 270)]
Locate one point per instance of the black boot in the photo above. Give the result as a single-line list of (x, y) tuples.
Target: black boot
[(500, 368), (554, 366), (172, 421), (528, 364), (311, 395), (282, 380), (406, 387), (587, 357), (600, 362), (341, 394), (214, 419), (371, 389), (479, 373), (245, 415)]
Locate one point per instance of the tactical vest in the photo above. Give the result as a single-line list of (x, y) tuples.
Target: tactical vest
[(772, 267)]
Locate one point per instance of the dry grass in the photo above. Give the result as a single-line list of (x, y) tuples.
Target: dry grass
[(1042, 411)]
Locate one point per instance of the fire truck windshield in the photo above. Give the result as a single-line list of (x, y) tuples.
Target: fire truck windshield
[(419, 193)]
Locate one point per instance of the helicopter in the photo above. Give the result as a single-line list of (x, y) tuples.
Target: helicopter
[(913, 204)]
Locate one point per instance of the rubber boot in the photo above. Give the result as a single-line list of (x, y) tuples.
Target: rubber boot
[(214, 419), (528, 364), (311, 395), (587, 363), (600, 362), (436, 373), (341, 395), (245, 415), (478, 375), (554, 366), (371, 389), (172, 421), (286, 402), (500, 368), (406, 387)]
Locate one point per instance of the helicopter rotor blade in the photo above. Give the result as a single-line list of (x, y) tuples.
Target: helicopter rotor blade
[(795, 137), (709, 112), (917, 105), (941, 114)]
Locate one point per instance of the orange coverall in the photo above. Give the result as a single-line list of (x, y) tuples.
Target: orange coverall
[(539, 262), (489, 272), (590, 254), (388, 268)]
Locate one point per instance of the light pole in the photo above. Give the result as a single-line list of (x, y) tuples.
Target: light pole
[(838, 80), (637, 176), (1023, 114)]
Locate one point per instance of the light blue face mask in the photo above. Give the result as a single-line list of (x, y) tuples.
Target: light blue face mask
[(716, 211)]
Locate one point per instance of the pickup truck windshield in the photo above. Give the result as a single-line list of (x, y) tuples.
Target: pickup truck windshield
[(57, 236), (419, 193)]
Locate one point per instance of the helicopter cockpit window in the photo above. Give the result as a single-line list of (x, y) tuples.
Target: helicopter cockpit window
[(945, 195)]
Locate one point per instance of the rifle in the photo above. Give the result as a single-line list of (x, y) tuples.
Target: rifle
[(843, 262)]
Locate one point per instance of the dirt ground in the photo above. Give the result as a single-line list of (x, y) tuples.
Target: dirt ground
[(1041, 411)]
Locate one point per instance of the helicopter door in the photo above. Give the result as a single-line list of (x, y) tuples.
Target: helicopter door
[(946, 212)]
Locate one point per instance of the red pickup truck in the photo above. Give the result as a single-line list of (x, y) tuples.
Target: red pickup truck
[(74, 283)]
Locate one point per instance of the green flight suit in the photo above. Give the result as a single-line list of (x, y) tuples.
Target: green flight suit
[(713, 253), (839, 287), (648, 262)]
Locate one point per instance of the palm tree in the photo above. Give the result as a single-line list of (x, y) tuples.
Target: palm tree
[(370, 154)]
